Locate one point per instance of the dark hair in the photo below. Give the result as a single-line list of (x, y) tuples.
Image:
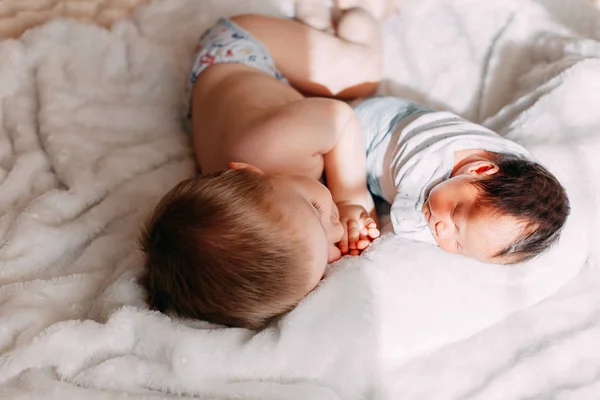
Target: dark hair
[(526, 190), (217, 250)]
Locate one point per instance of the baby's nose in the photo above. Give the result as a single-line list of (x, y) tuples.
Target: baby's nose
[(441, 229)]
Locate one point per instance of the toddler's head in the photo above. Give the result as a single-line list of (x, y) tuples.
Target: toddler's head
[(502, 209), (235, 248)]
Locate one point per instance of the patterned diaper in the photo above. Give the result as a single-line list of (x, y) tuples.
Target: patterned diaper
[(226, 42)]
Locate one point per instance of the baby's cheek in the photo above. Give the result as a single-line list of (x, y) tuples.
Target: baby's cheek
[(334, 254), (338, 230), (434, 199), (446, 245)]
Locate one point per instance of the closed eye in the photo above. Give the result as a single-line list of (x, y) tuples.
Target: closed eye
[(318, 207), (453, 218), (458, 247)]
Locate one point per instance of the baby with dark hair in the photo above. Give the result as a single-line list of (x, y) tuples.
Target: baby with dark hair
[(459, 185)]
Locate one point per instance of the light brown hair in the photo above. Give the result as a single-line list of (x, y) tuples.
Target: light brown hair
[(217, 249)]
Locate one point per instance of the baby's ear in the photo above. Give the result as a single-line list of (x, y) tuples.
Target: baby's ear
[(241, 165), (482, 167)]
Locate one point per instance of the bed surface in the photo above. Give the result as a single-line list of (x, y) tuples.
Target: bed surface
[(91, 136)]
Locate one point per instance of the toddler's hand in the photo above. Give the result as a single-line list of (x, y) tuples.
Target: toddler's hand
[(359, 229)]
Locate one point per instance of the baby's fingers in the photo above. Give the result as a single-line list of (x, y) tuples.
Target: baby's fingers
[(372, 233), (363, 244), (370, 229), (343, 243), (353, 233)]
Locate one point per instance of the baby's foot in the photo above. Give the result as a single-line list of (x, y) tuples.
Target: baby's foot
[(314, 13), (378, 8), (361, 33), (359, 26)]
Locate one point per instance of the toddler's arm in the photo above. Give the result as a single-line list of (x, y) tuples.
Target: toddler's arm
[(345, 171), (329, 129), (320, 64), (315, 62)]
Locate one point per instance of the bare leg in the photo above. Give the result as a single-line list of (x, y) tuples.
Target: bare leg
[(317, 63)]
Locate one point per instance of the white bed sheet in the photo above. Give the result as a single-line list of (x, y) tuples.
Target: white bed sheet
[(91, 136)]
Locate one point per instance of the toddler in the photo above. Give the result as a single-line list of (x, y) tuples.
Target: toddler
[(251, 236)]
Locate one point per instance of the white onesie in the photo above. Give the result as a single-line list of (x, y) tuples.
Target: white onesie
[(410, 149)]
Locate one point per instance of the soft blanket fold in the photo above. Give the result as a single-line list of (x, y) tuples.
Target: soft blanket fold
[(92, 133)]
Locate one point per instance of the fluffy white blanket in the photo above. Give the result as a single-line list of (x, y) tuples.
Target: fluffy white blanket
[(91, 136)]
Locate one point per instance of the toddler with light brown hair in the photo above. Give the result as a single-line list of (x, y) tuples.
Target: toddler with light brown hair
[(247, 239)]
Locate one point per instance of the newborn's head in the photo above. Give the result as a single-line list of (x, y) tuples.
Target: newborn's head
[(505, 210), (235, 248)]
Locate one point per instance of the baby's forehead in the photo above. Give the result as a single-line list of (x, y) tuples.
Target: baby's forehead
[(468, 196), (490, 233)]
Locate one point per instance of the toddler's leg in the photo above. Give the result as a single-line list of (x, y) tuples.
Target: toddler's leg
[(318, 63)]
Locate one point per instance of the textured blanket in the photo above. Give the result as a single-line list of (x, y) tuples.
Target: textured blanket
[(16, 16), (92, 133)]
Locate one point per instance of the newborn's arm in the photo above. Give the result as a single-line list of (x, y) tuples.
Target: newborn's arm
[(315, 62)]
